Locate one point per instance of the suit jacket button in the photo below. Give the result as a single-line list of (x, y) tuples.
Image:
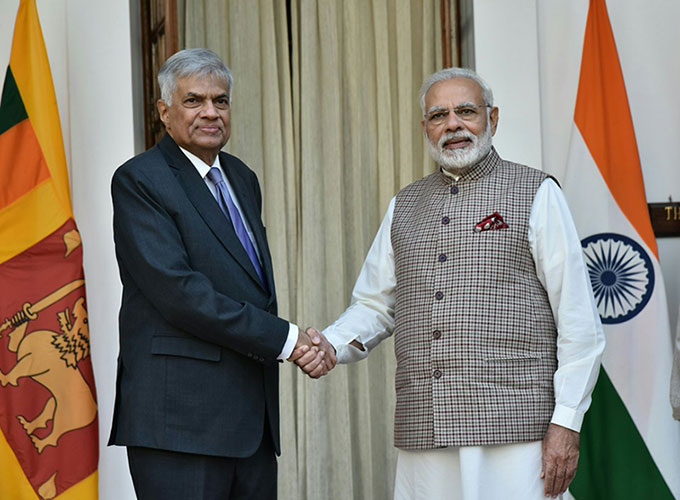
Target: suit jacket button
[(437, 374)]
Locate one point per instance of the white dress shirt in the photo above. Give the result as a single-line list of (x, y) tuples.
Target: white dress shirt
[(556, 250), (203, 169)]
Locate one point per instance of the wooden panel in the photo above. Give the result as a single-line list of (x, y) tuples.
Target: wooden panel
[(171, 34), (665, 219), (445, 16), (159, 41)]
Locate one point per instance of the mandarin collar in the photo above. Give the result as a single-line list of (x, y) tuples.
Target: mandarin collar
[(477, 171)]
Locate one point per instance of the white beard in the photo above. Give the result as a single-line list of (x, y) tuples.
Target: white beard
[(457, 160)]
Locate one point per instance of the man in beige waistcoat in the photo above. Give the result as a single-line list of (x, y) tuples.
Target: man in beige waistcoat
[(478, 272)]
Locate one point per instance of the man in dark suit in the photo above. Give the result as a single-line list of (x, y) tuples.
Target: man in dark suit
[(197, 388)]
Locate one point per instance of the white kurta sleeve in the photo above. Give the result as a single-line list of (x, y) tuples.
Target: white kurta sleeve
[(560, 267), (370, 316), (675, 376)]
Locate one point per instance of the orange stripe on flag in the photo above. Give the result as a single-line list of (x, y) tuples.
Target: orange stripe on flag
[(603, 117), (23, 165), (33, 77)]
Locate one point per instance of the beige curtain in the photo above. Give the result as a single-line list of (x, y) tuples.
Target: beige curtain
[(325, 111)]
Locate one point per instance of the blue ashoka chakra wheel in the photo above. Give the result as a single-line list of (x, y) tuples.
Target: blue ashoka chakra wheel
[(621, 275)]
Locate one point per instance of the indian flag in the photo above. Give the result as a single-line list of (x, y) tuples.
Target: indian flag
[(48, 409), (630, 445)]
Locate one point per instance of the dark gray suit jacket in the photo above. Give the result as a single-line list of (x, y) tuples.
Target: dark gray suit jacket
[(199, 335)]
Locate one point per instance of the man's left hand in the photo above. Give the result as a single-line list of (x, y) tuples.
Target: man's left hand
[(560, 458)]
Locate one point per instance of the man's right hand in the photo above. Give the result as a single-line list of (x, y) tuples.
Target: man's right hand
[(303, 346)]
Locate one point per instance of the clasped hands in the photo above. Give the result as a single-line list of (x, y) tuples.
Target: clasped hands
[(313, 353)]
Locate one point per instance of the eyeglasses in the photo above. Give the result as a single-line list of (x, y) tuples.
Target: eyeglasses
[(466, 112)]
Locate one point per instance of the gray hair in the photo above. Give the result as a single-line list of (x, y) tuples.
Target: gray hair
[(451, 73), (192, 62)]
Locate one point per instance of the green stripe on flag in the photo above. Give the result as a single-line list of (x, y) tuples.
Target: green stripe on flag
[(12, 109), (614, 462)]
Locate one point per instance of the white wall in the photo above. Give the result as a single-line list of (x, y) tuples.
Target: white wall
[(530, 53), (506, 57), (88, 44)]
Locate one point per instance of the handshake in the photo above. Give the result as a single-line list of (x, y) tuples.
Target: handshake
[(313, 353)]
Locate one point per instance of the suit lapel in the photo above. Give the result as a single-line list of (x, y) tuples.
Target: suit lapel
[(252, 216), (201, 198)]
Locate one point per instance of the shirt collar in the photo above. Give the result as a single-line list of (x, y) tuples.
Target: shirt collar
[(202, 167)]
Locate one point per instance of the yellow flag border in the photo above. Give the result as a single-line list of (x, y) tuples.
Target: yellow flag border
[(15, 483), (31, 70), (46, 207)]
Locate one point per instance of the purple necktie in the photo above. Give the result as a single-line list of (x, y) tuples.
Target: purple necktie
[(227, 205)]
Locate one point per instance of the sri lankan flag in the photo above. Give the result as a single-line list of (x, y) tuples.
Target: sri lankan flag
[(630, 444), (48, 410)]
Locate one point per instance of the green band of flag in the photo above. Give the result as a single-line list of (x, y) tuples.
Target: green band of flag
[(614, 461), (12, 110)]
